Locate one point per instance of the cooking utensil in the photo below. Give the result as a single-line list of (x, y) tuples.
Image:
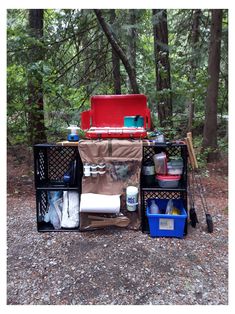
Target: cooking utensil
[(198, 181), (120, 221), (192, 212), (204, 204)]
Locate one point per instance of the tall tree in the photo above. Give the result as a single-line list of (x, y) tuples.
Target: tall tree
[(119, 51), (195, 34), (115, 60), (162, 65), (132, 37), (35, 80), (210, 125)]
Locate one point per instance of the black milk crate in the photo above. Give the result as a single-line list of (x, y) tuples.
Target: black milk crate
[(42, 207), (158, 193), (52, 161), (171, 150)]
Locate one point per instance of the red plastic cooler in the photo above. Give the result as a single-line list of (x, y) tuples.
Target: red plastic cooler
[(106, 116)]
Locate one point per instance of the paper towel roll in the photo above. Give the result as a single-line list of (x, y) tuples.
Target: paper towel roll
[(100, 203)]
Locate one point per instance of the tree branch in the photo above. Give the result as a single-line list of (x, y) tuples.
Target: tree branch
[(119, 51)]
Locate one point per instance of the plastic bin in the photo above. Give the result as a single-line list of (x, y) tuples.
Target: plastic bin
[(162, 225), (174, 169), (168, 181), (176, 161)]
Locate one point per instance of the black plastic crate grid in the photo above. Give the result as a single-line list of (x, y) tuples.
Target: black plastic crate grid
[(59, 159), (163, 195), (150, 151), (41, 165), (42, 204), (53, 162)]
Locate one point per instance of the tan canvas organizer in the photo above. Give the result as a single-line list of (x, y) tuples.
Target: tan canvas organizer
[(122, 159)]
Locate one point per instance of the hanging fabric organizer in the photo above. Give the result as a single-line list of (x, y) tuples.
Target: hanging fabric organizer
[(121, 160)]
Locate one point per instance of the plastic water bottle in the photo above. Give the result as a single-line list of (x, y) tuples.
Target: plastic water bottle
[(169, 207), (154, 209)]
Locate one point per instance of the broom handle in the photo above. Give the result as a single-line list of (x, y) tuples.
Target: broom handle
[(190, 140), (190, 153)]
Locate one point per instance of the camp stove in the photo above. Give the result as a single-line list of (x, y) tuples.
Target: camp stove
[(108, 114), (116, 132)]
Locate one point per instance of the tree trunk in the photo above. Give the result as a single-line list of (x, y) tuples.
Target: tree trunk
[(37, 133), (193, 63), (115, 61), (210, 126), (119, 51), (132, 37), (162, 66)]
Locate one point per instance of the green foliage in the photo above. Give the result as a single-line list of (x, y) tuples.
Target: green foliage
[(78, 64)]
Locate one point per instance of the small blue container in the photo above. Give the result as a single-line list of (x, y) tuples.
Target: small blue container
[(162, 225), (73, 138), (133, 121)]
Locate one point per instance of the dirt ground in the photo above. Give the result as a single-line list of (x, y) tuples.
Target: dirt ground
[(113, 266)]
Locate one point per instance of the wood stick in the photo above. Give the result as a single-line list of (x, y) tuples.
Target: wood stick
[(193, 152), (189, 135), (118, 221), (190, 152)]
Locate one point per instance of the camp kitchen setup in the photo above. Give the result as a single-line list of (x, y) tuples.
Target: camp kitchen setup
[(118, 175)]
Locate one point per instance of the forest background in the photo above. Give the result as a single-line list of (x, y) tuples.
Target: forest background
[(58, 58), (55, 66)]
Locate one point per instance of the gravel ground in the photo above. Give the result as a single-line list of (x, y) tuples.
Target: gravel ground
[(115, 266)]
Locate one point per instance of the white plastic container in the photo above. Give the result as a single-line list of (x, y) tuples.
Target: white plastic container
[(177, 162), (159, 138), (94, 170), (174, 169), (101, 166), (87, 170), (101, 169), (154, 209), (101, 172), (131, 198)]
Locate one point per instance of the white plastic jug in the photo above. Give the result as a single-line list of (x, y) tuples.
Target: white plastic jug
[(131, 198)]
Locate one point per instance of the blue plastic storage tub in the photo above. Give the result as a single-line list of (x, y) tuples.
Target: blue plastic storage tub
[(162, 225)]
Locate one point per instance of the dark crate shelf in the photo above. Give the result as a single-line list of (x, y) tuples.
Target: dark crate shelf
[(181, 187), (58, 188), (173, 150), (42, 203), (154, 191), (45, 227), (52, 161)]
